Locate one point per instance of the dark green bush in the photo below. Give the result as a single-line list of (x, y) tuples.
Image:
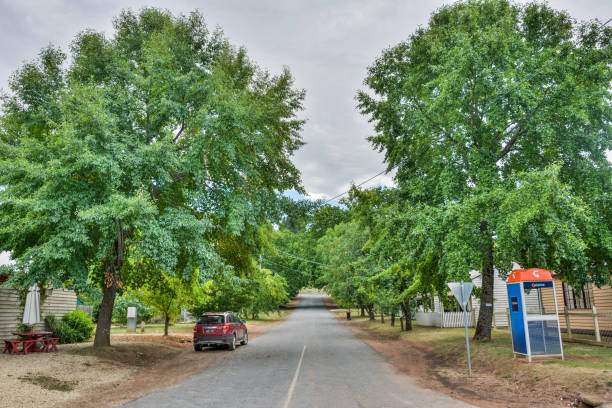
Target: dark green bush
[(79, 321), (62, 331)]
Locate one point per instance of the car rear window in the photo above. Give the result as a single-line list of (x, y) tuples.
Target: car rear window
[(211, 319)]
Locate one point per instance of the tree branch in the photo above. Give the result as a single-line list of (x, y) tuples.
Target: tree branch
[(179, 132), (520, 128), (511, 143)]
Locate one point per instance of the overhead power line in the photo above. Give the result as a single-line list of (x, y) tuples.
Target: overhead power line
[(301, 259), (282, 267), (358, 185), (327, 201)]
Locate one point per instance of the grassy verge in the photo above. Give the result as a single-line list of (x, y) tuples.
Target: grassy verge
[(265, 318), (585, 368), (157, 328)]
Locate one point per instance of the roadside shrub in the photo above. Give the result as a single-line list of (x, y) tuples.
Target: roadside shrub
[(79, 321), (62, 331)]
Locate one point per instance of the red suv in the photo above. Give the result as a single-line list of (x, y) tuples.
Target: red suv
[(214, 329)]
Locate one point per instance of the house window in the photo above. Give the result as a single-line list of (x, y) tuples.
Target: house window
[(582, 299)]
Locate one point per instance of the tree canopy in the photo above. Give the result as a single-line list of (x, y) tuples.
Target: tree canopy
[(477, 105), (145, 146)]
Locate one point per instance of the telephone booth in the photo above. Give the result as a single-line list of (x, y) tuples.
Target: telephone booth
[(535, 330)]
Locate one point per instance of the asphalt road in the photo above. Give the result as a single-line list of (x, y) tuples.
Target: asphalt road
[(309, 360)]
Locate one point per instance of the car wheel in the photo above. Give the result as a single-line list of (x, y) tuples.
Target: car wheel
[(197, 347), (245, 339), (232, 345)]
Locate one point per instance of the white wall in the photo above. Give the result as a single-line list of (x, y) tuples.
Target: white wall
[(5, 258), (500, 297), (428, 319)]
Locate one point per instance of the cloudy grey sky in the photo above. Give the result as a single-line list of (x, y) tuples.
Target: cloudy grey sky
[(327, 44)]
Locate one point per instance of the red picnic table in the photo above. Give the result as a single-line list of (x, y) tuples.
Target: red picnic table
[(29, 342)]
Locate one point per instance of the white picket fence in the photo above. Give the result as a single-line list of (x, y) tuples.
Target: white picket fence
[(443, 319), (456, 319)]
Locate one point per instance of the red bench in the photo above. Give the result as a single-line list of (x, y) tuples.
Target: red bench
[(29, 346), (12, 346), (50, 344)]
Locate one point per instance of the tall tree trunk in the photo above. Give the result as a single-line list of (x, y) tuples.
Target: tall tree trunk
[(370, 309), (401, 319), (112, 275), (407, 314), (485, 315), (382, 316), (166, 324), (392, 319), (362, 312), (105, 317)]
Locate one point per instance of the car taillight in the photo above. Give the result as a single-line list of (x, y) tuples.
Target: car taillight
[(225, 327)]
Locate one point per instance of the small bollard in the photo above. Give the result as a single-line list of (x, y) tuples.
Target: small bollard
[(142, 326)]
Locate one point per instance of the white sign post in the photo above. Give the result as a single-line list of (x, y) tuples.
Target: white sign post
[(131, 319), (462, 292)]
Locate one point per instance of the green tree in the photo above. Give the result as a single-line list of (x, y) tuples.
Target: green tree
[(269, 292), (403, 245), (148, 145), (296, 214), (326, 217), (166, 294), (263, 291), (488, 90), (347, 278), (294, 246), (284, 259)]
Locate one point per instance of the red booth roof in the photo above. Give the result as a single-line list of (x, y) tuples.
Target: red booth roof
[(529, 275)]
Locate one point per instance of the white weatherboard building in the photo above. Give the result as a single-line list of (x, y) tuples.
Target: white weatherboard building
[(438, 317), (59, 302)]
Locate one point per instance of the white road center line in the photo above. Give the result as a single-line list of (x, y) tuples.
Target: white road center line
[(294, 381)]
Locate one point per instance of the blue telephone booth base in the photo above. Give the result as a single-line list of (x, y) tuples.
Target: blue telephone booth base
[(533, 334)]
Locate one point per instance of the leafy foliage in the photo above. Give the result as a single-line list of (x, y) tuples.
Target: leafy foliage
[(262, 291), (486, 93), (146, 149), (80, 322), (62, 330), (292, 252), (165, 294), (347, 278)]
